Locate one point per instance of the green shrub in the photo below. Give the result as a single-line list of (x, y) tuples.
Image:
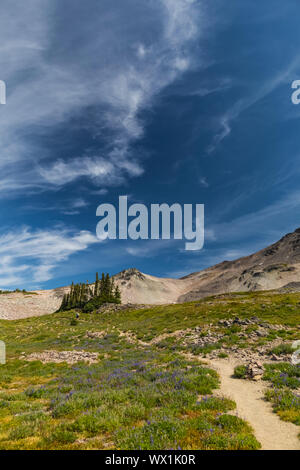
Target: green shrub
[(208, 348), (286, 404), (21, 432), (240, 372), (241, 441), (283, 375), (233, 329), (282, 349), (155, 435), (222, 355), (215, 403), (62, 436), (232, 423)]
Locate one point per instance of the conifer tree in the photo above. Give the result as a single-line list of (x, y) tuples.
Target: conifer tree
[(102, 285), (64, 302), (96, 292), (107, 287), (117, 295)]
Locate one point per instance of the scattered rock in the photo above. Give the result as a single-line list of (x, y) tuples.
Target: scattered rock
[(70, 357), (264, 325), (224, 323), (261, 333), (95, 334), (275, 358), (254, 319), (108, 308)]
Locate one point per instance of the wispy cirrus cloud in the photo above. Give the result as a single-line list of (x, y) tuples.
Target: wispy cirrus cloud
[(226, 120), (203, 182), (57, 71), (271, 221)]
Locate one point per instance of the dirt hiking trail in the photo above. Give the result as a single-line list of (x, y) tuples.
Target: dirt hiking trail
[(270, 431)]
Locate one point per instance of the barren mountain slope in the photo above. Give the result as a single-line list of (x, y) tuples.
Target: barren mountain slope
[(274, 267), (140, 288), (18, 305)]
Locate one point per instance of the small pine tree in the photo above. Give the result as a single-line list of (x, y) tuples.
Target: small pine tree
[(117, 295), (106, 290), (102, 286), (64, 303), (97, 286)]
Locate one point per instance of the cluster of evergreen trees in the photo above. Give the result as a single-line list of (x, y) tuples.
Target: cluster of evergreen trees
[(90, 297)]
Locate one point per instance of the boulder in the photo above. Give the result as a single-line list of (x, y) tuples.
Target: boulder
[(255, 370)]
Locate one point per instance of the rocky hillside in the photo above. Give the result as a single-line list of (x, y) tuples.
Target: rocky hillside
[(17, 305), (274, 267), (137, 287)]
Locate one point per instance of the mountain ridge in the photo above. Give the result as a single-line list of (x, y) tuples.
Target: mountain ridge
[(276, 266)]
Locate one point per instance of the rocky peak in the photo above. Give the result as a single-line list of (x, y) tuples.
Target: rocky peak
[(129, 274)]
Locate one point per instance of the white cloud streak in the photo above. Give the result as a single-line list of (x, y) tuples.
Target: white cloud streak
[(28, 257), (226, 120)]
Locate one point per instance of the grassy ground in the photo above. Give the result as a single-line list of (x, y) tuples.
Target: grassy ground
[(148, 397), (285, 392)]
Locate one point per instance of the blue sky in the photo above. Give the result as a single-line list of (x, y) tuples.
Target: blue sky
[(183, 101)]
